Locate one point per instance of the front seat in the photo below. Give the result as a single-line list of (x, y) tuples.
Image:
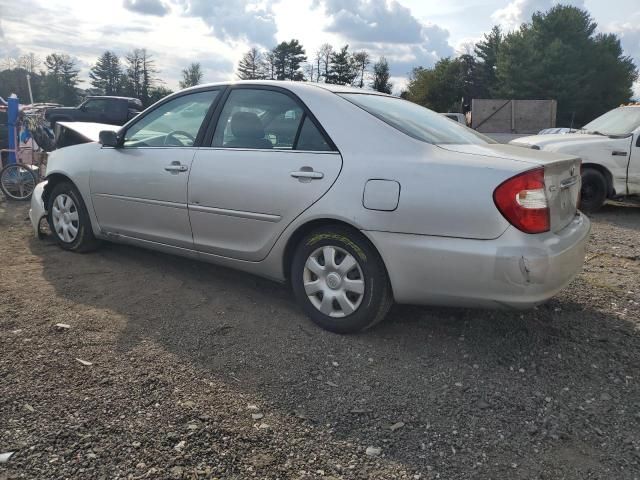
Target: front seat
[(247, 131)]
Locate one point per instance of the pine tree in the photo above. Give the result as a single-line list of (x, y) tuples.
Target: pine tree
[(251, 66), (381, 76), (106, 74), (487, 51), (61, 79), (288, 59), (342, 70), (140, 75)]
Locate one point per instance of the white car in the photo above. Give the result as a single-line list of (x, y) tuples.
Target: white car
[(610, 150), (357, 199)]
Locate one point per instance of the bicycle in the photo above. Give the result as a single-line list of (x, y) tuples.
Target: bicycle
[(18, 180)]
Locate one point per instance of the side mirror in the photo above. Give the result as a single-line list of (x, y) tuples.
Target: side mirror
[(109, 138)]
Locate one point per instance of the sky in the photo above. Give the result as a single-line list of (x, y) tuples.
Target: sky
[(216, 33)]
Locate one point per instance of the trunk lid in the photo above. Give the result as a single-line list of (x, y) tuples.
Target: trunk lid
[(561, 175), (563, 182)]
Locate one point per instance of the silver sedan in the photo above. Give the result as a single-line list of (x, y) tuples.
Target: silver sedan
[(357, 199)]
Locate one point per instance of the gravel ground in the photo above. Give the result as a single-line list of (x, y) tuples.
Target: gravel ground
[(202, 372)]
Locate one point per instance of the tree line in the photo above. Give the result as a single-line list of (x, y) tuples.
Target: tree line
[(288, 61), (557, 55), (56, 79)]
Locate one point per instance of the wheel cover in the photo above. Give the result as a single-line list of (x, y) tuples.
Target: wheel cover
[(65, 218), (333, 281)]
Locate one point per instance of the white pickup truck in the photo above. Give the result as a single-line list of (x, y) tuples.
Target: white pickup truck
[(610, 150)]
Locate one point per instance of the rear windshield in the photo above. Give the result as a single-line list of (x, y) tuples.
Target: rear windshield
[(416, 121)]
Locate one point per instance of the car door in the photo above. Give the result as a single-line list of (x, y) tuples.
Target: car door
[(93, 110), (269, 160), (139, 190), (633, 176)]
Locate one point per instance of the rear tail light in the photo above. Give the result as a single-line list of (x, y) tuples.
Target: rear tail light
[(523, 202)]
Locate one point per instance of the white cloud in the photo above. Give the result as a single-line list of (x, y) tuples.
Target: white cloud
[(237, 21), (520, 11), (629, 33), (146, 7), (386, 28)]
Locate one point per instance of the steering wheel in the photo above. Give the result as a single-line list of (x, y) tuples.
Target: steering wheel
[(173, 135)]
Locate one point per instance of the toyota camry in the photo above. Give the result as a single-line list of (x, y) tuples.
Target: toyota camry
[(356, 199)]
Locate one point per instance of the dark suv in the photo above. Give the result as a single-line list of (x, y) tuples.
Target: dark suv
[(109, 110)]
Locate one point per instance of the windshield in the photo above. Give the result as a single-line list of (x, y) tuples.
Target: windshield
[(620, 121), (416, 121)]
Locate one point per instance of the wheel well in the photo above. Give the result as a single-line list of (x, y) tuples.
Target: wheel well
[(303, 230), (606, 174), (53, 180)]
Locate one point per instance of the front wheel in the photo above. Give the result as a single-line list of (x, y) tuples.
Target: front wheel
[(17, 181), (340, 280), (69, 220)]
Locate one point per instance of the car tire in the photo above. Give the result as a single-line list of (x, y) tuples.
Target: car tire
[(594, 190), (340, 297), (69, 220)]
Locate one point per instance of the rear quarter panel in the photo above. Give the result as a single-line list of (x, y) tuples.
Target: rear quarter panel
[(442, 193)]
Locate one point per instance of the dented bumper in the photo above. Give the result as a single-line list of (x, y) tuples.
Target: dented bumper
[(516, 270), (37, 211)]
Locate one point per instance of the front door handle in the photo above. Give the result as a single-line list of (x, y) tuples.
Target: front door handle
[(307, 173), (176, 167)]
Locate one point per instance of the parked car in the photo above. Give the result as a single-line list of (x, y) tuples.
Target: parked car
[(610, 150), (355, 198), (109, 110)]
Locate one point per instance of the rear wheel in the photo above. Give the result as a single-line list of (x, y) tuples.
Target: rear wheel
[(69, 220), (340, 281), (594, 190)]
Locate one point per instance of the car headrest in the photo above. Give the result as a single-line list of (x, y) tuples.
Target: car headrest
[(246, 125)]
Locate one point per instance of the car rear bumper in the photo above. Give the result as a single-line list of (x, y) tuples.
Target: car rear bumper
[(37, 211), (516, 270)]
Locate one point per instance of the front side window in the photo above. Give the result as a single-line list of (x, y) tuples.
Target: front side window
[(265, 119), (416, 121), (173, 124), (95, 105)]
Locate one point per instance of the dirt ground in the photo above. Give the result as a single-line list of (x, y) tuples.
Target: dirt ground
[(203, 372)]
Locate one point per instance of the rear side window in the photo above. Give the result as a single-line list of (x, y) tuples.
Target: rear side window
[(311, 139), (266, 120), (258, 119), (416, 121)]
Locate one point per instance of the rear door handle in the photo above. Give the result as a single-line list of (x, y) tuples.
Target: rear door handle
[(310, 174), (176, 167)]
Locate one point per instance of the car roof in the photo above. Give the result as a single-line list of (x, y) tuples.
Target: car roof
[(112, 97), (290, 85)]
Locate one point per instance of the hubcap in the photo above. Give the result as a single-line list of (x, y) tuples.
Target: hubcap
[(65, 218), (333, 281)]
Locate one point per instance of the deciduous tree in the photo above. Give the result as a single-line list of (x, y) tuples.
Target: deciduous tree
[(191, 76), (381, 76)]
